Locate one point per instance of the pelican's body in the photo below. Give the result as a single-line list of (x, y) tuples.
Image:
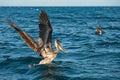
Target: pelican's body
[(99, 30), (44, 47), (49, 57)]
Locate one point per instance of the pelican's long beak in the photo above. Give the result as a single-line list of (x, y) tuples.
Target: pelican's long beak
[(60, 47)]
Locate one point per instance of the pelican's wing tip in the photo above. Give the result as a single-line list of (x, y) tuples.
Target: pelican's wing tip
[(43, 11), (43, 14), (9, 21)]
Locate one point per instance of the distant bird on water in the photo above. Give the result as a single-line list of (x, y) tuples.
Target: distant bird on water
[(44, 45), (99, 30)]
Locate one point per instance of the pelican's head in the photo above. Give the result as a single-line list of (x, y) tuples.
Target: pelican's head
[(59, 46)]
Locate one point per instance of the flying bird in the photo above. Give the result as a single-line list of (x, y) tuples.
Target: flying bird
[(44, 45)]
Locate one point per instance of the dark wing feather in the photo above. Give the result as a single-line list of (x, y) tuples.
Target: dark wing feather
[(29, 41), (45, 28)]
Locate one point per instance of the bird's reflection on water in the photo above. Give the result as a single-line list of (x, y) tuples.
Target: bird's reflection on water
[(50, 72), (47, 72)]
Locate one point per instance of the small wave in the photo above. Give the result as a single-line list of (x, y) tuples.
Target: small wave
[(109, 43)]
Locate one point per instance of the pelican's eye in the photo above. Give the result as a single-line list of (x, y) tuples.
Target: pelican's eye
[(47, 47)]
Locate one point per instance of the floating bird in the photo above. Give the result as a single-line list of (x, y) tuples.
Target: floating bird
[(44, 45), (99, 30)]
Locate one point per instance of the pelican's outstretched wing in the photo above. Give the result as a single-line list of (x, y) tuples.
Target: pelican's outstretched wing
[(29, 41), (45, 28)]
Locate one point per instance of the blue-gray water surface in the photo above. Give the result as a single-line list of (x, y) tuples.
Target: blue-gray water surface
[(89, 56)]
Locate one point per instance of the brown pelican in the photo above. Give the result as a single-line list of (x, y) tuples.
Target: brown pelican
[(44, 45), (99, 30)]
